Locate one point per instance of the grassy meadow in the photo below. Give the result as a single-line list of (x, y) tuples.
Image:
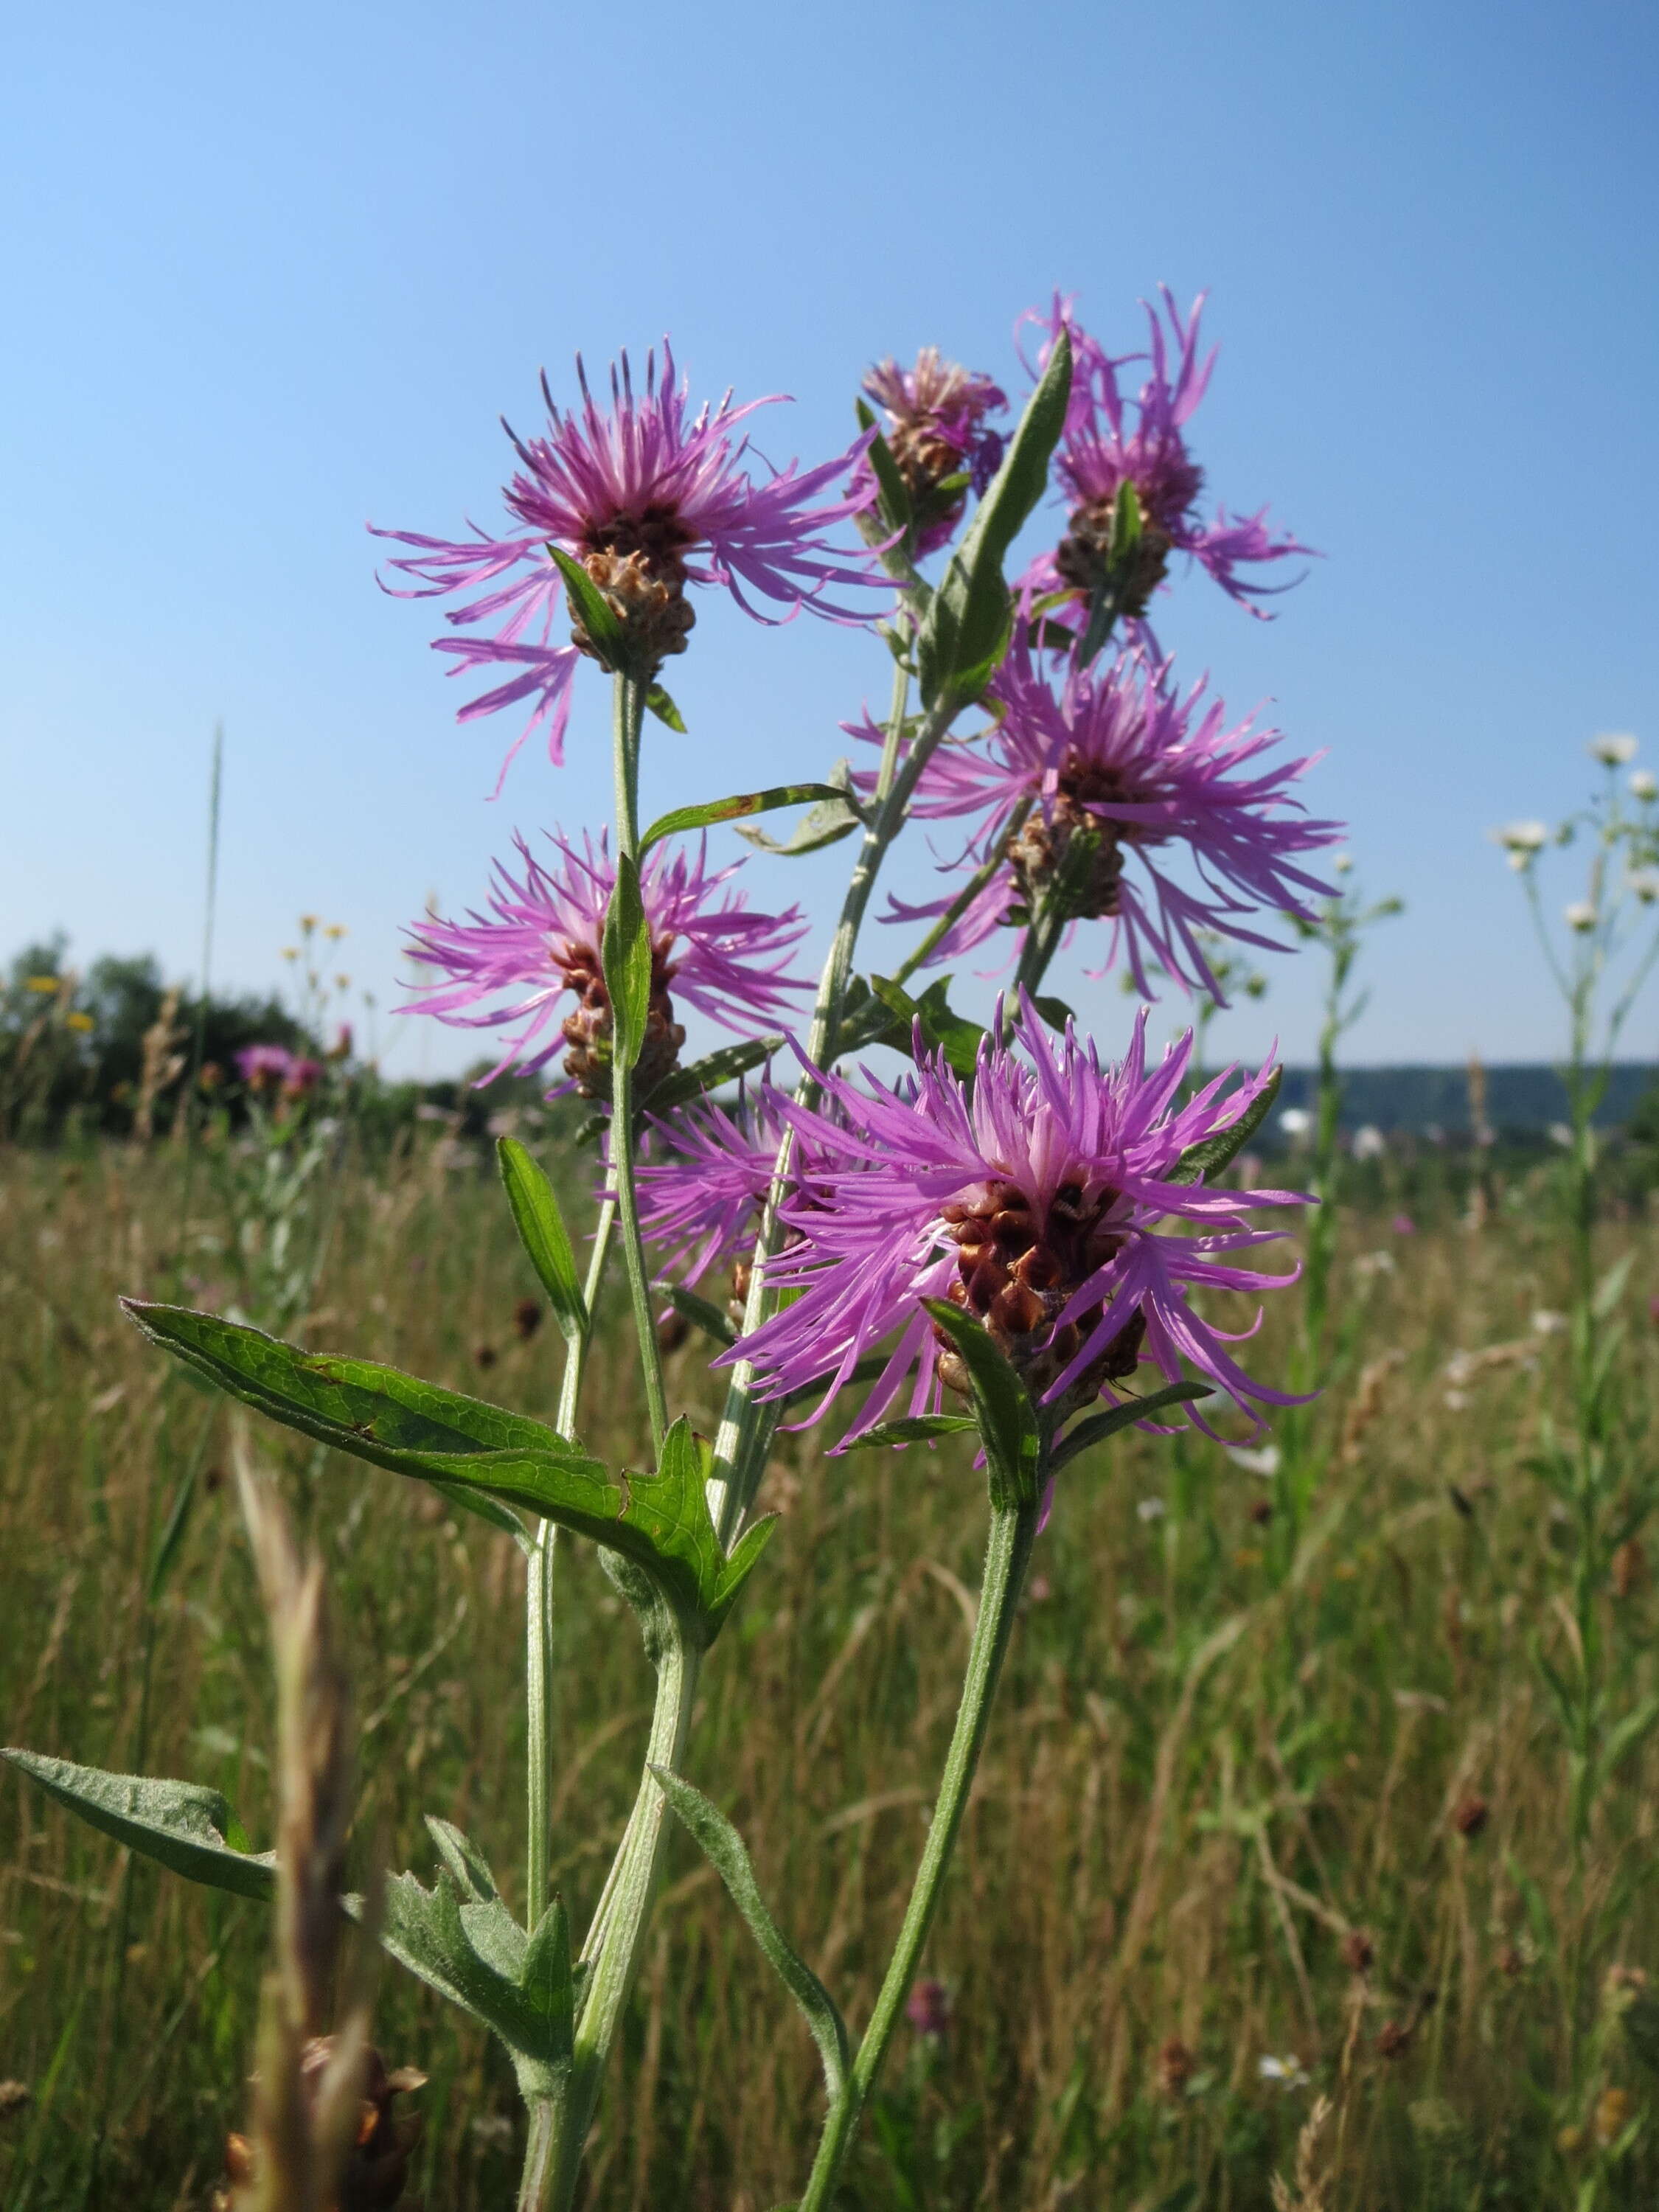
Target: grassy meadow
[(1287, 1880)]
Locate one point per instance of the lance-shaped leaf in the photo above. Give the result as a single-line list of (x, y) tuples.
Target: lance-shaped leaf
[(724, 1065), (625, 953), (1215, 1154), (1005, 1415), (665, 709), (736, 808), (917, 1429), (658, 1520), (590, 607), (723, 1848), (1098, 1427), (893, 504), (953, 1034), (965, 628), (180, 1825), (701, 1313), (541, 1232), (826, 823)]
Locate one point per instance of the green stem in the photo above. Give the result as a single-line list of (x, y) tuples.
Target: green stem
[(628, 696), (1013, 1529), (746, 1427), (559, 2129)]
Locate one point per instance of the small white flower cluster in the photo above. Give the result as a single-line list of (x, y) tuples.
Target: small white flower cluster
[(1613, 748), (1522, 842)]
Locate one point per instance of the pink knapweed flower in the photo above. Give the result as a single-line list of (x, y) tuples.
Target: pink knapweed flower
[(1119, 754), (540, 942), (1105, 443), (703, 1181), (263, 1066), (935, 430), (1035, 1202), (648, 498)]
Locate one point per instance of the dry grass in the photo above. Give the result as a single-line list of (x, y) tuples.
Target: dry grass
[(1226, 1747)]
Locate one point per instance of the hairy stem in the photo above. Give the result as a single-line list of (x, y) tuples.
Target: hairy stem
[(1013, 1528), (628, 699)]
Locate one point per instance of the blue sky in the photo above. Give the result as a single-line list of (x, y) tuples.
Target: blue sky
[(273, 274)]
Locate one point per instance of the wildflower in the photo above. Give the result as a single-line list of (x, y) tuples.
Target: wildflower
[(1114, 770), (1175, 2067), (1295, 1122), (1644, 784), (704, 1180), (935, 430), (1102, 449), (1034, 1204), (1358, 1952), (1613, 748), (1289, 2071), (1580, 914), (45, 986), (1644, 882), (1522, 842), (541, 941), (1403, 1225), (1369, 1143), (299, 1079), (928, 2009), (83, 1022), (649, 501), (263, 1066), (1471, 1816), (1150, 1508)]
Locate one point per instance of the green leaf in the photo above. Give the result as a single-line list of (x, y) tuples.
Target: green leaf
[(964, 631), (700, 1313), (1054, 1011), (723, 1848), (591, 608), (626, 956), (1209, 1158), (1005, 1417), (1611, 1288), (739, 805), (180, 1825), (919, 1428), (1623, 1738), (893, 506), (1099, 1426), (658, 1520), (714, 1068), (543, 1236), (954, 1034), (1126, 524), (473, 1951), (663, 708)]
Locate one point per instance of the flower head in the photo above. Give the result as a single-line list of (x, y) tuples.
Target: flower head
[(1580, 914), (1614, 749), (541, 938), (1105, 446), (1117, 759), (936, 431), (1033, 1201), (704, 1180), (649, 499), (1528, 837), (1644, 784)]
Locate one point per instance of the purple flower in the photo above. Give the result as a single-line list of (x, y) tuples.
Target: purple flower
[(935, 430), (1119, 755), (928, 2009), (648, 502), (541, 941), (263, 1066), (1034, 1200), (1104, 446), (703, 1183)]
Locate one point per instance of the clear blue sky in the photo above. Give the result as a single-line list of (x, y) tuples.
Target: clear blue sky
[(273, 273)]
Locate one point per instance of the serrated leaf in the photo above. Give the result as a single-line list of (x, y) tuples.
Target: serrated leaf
[(953, 1034), (723, 1847), (918, 1428), (665, 709), (626, 958), (541, 1232), (737, 807), (466, 1861), (964, 630), (658, 1520), (180, 1825), (475, 1954), (591, 608), (1099, 1426), (1005, 1415), (1217, 1152), (701, 1313)]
